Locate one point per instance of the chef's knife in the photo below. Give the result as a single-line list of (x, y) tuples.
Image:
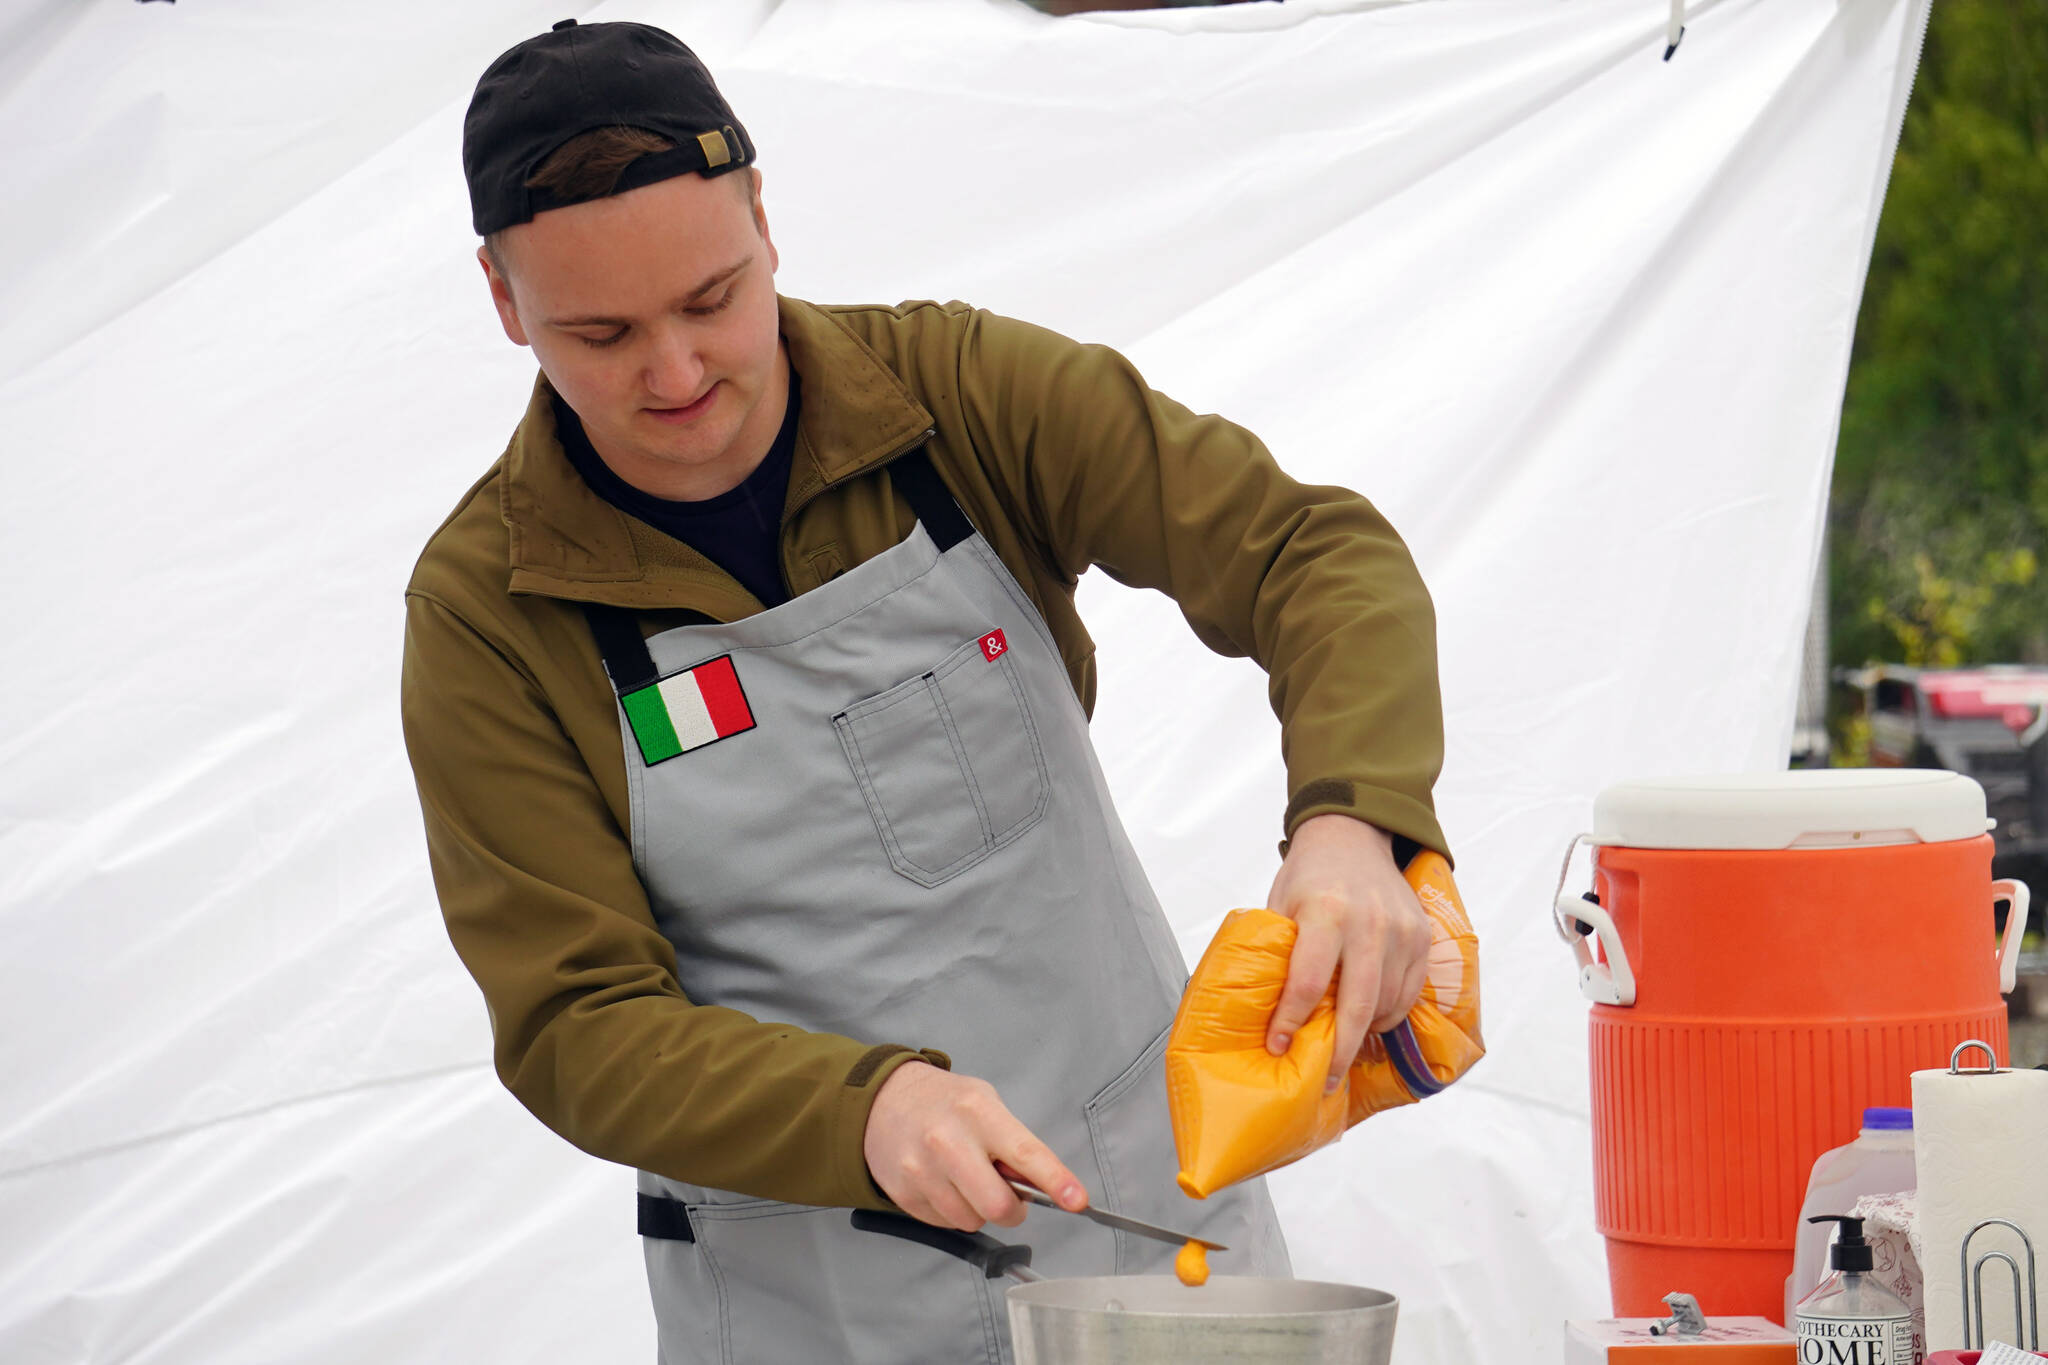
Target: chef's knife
[(1031, 1194)]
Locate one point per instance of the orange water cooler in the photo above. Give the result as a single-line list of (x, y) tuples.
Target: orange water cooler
[(1775, 953)]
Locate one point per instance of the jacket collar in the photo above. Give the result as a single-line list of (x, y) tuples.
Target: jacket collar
[(568, 542)]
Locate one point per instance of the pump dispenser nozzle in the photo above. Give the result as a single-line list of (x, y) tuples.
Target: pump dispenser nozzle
[(1850, 1251), (1850, 1315)]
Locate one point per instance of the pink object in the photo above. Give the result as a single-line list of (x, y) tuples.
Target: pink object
[(1964, 1357)]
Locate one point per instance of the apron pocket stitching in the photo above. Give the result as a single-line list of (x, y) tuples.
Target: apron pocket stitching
[(945, 713), (1097, 1137), (1109, 1185), (891, 844), (718, 1291), (724, 1311), (850, 743), (1029, 728), (706, 1214), (991, 1343), (882, 701), (1037, 751)]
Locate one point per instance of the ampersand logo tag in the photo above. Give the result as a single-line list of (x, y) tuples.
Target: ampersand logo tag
[(993, 646)]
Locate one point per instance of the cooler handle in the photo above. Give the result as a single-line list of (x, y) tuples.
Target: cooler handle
[(2015, 925), (1609, 982)]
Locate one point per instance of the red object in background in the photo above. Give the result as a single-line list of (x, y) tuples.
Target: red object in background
[(2013, 697), (1778, 994)]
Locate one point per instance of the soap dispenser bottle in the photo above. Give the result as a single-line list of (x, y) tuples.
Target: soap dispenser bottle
[(1849, 1318)]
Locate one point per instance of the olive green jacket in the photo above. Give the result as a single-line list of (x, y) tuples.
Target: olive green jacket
[(1063, 458)]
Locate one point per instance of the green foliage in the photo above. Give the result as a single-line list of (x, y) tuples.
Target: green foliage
[(1946, 617), (1848, 738), (1939, 511)]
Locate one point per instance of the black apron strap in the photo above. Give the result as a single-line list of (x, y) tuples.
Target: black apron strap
[(665, 1220), (623, 646), (926, 493)]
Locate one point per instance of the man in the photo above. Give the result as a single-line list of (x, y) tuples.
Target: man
[(747, 703)]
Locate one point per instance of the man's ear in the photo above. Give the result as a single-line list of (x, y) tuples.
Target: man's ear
[(761, 219), (501, 298)]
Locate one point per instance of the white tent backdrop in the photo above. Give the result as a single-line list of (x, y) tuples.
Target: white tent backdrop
[(1576, 317)]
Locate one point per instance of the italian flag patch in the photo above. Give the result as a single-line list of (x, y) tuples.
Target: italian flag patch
[(688, 710)]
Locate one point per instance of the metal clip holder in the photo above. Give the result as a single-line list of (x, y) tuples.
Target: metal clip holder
[(2026, 1307)]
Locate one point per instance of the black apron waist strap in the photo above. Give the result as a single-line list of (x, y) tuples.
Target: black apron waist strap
[(665, 1220)]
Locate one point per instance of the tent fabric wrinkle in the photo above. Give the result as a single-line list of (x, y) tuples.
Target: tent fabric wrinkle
[(1575, 317)]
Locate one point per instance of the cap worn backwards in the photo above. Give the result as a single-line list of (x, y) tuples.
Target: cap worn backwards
[(577, 77)]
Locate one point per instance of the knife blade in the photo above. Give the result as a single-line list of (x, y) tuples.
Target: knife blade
[(1031, 1194)]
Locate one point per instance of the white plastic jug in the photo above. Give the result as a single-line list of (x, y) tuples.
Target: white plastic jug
[(1879, 1161)]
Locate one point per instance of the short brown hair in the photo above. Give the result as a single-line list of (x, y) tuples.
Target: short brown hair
[(588, 166)]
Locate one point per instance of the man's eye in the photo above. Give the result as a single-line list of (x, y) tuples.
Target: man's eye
[(611, 340), (719, 307)]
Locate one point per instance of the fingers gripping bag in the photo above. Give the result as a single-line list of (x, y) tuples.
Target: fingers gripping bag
[(1239, 1111), (1440, 1040)]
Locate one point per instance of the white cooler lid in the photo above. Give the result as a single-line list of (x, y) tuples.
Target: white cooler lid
[(1809, 808)]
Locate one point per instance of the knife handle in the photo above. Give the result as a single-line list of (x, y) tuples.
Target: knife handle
[(1031, 1194), (992, 1258)]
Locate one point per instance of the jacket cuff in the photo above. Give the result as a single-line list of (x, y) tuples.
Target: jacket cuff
[(857, 1099), (1412, 823)]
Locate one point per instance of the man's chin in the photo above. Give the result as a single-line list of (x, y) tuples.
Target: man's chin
[(699, 450)]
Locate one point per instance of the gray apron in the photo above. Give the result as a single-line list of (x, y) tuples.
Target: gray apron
[(876, 812)]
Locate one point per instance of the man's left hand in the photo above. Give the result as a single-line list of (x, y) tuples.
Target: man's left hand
[(1358, 920)]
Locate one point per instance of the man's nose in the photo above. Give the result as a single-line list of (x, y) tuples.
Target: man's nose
[(675, 370)]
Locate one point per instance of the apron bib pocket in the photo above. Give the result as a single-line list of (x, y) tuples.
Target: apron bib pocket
[(949, 763)]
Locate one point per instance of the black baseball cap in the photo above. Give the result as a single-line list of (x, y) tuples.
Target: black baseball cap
[(577, 77)]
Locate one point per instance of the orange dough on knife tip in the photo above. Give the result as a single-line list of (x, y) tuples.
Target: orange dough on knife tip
[(1191, 1264)]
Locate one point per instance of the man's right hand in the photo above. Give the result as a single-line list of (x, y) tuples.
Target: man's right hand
[(932, 1142)]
